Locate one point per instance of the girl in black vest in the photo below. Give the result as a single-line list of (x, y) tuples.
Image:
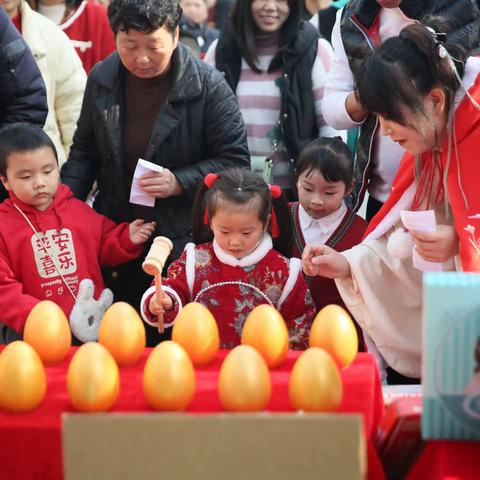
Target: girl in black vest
[(277, 66)]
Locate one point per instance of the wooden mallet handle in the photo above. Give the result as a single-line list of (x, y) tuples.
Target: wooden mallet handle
[(153, 265), (159, 291)]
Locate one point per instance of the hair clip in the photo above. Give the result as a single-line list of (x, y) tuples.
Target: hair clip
[(210, 179), (275, 191), (440, 37), (442, 51)]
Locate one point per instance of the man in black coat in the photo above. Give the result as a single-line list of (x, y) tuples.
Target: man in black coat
[(152, 100)]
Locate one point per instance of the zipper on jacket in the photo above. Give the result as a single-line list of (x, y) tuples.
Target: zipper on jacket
[(363, 187), (362, 31)]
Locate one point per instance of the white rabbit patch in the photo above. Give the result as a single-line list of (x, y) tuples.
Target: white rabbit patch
[(87, 313)]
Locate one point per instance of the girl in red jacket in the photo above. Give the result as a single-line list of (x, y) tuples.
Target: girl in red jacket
[(238, 214)]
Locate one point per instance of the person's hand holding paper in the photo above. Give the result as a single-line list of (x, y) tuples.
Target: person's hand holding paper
[(152, 181), (434, 244), (437, 246), (137, 193)]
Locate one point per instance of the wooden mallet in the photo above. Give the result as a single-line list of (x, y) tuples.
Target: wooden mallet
[(153, 265)]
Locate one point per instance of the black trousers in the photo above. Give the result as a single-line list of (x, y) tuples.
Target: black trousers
[(373, 206)]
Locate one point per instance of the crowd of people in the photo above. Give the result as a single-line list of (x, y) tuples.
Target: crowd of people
[(250, 142)]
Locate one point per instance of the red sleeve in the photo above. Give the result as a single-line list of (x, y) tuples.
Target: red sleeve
[(168, 316), (298, 311), (115, 244), (14, 304), (177, 280)]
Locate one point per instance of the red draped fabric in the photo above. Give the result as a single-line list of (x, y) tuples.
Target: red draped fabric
[(30, 443), (443, 460)]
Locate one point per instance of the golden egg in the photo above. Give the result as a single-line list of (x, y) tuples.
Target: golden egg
[(244, 383), (93, 382), (334, 330), (22, 378), (48, 332), (265, 330), (315, 383), (122, 333), (196, 330), (169, 378)]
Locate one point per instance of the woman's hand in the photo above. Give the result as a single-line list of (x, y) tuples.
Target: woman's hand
[(438, 246), (324, 261), (139, 231), (162, 184)]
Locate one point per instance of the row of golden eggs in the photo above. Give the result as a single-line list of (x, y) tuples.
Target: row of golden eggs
[(244, 383), (332, 329), (93, 381), (122, 332)]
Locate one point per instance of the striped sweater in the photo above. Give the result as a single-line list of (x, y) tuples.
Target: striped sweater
[(259, 96)]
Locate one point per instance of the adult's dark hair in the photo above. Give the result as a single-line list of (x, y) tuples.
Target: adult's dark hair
[(406, 68), (144, 15), (331, 157), (21, 137), (244, 29), (240, 187)]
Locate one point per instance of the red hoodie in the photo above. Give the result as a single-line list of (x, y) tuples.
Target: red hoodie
[(77, 237)]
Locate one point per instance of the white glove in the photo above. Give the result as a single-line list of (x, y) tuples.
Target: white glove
[(87, 313)]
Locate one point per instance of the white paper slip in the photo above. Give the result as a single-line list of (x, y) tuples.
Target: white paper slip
[(422, 221), (137, 194)]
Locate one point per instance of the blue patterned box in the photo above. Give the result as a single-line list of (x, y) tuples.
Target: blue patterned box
[(451, 356)]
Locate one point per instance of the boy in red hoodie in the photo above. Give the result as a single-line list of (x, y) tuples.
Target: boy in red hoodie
[(49, 241)]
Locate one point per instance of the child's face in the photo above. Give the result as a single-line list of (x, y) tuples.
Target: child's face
[(237, 232), (318, 197), (33, 176), (195, 10)]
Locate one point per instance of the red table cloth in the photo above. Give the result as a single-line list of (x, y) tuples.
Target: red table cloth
[(447, 460), (30, 443)]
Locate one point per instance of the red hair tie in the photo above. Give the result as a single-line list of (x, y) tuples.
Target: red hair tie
[(210, 179), (275, 191), (274, 225)]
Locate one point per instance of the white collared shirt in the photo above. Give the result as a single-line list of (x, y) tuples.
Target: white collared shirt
[(318, 231)]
